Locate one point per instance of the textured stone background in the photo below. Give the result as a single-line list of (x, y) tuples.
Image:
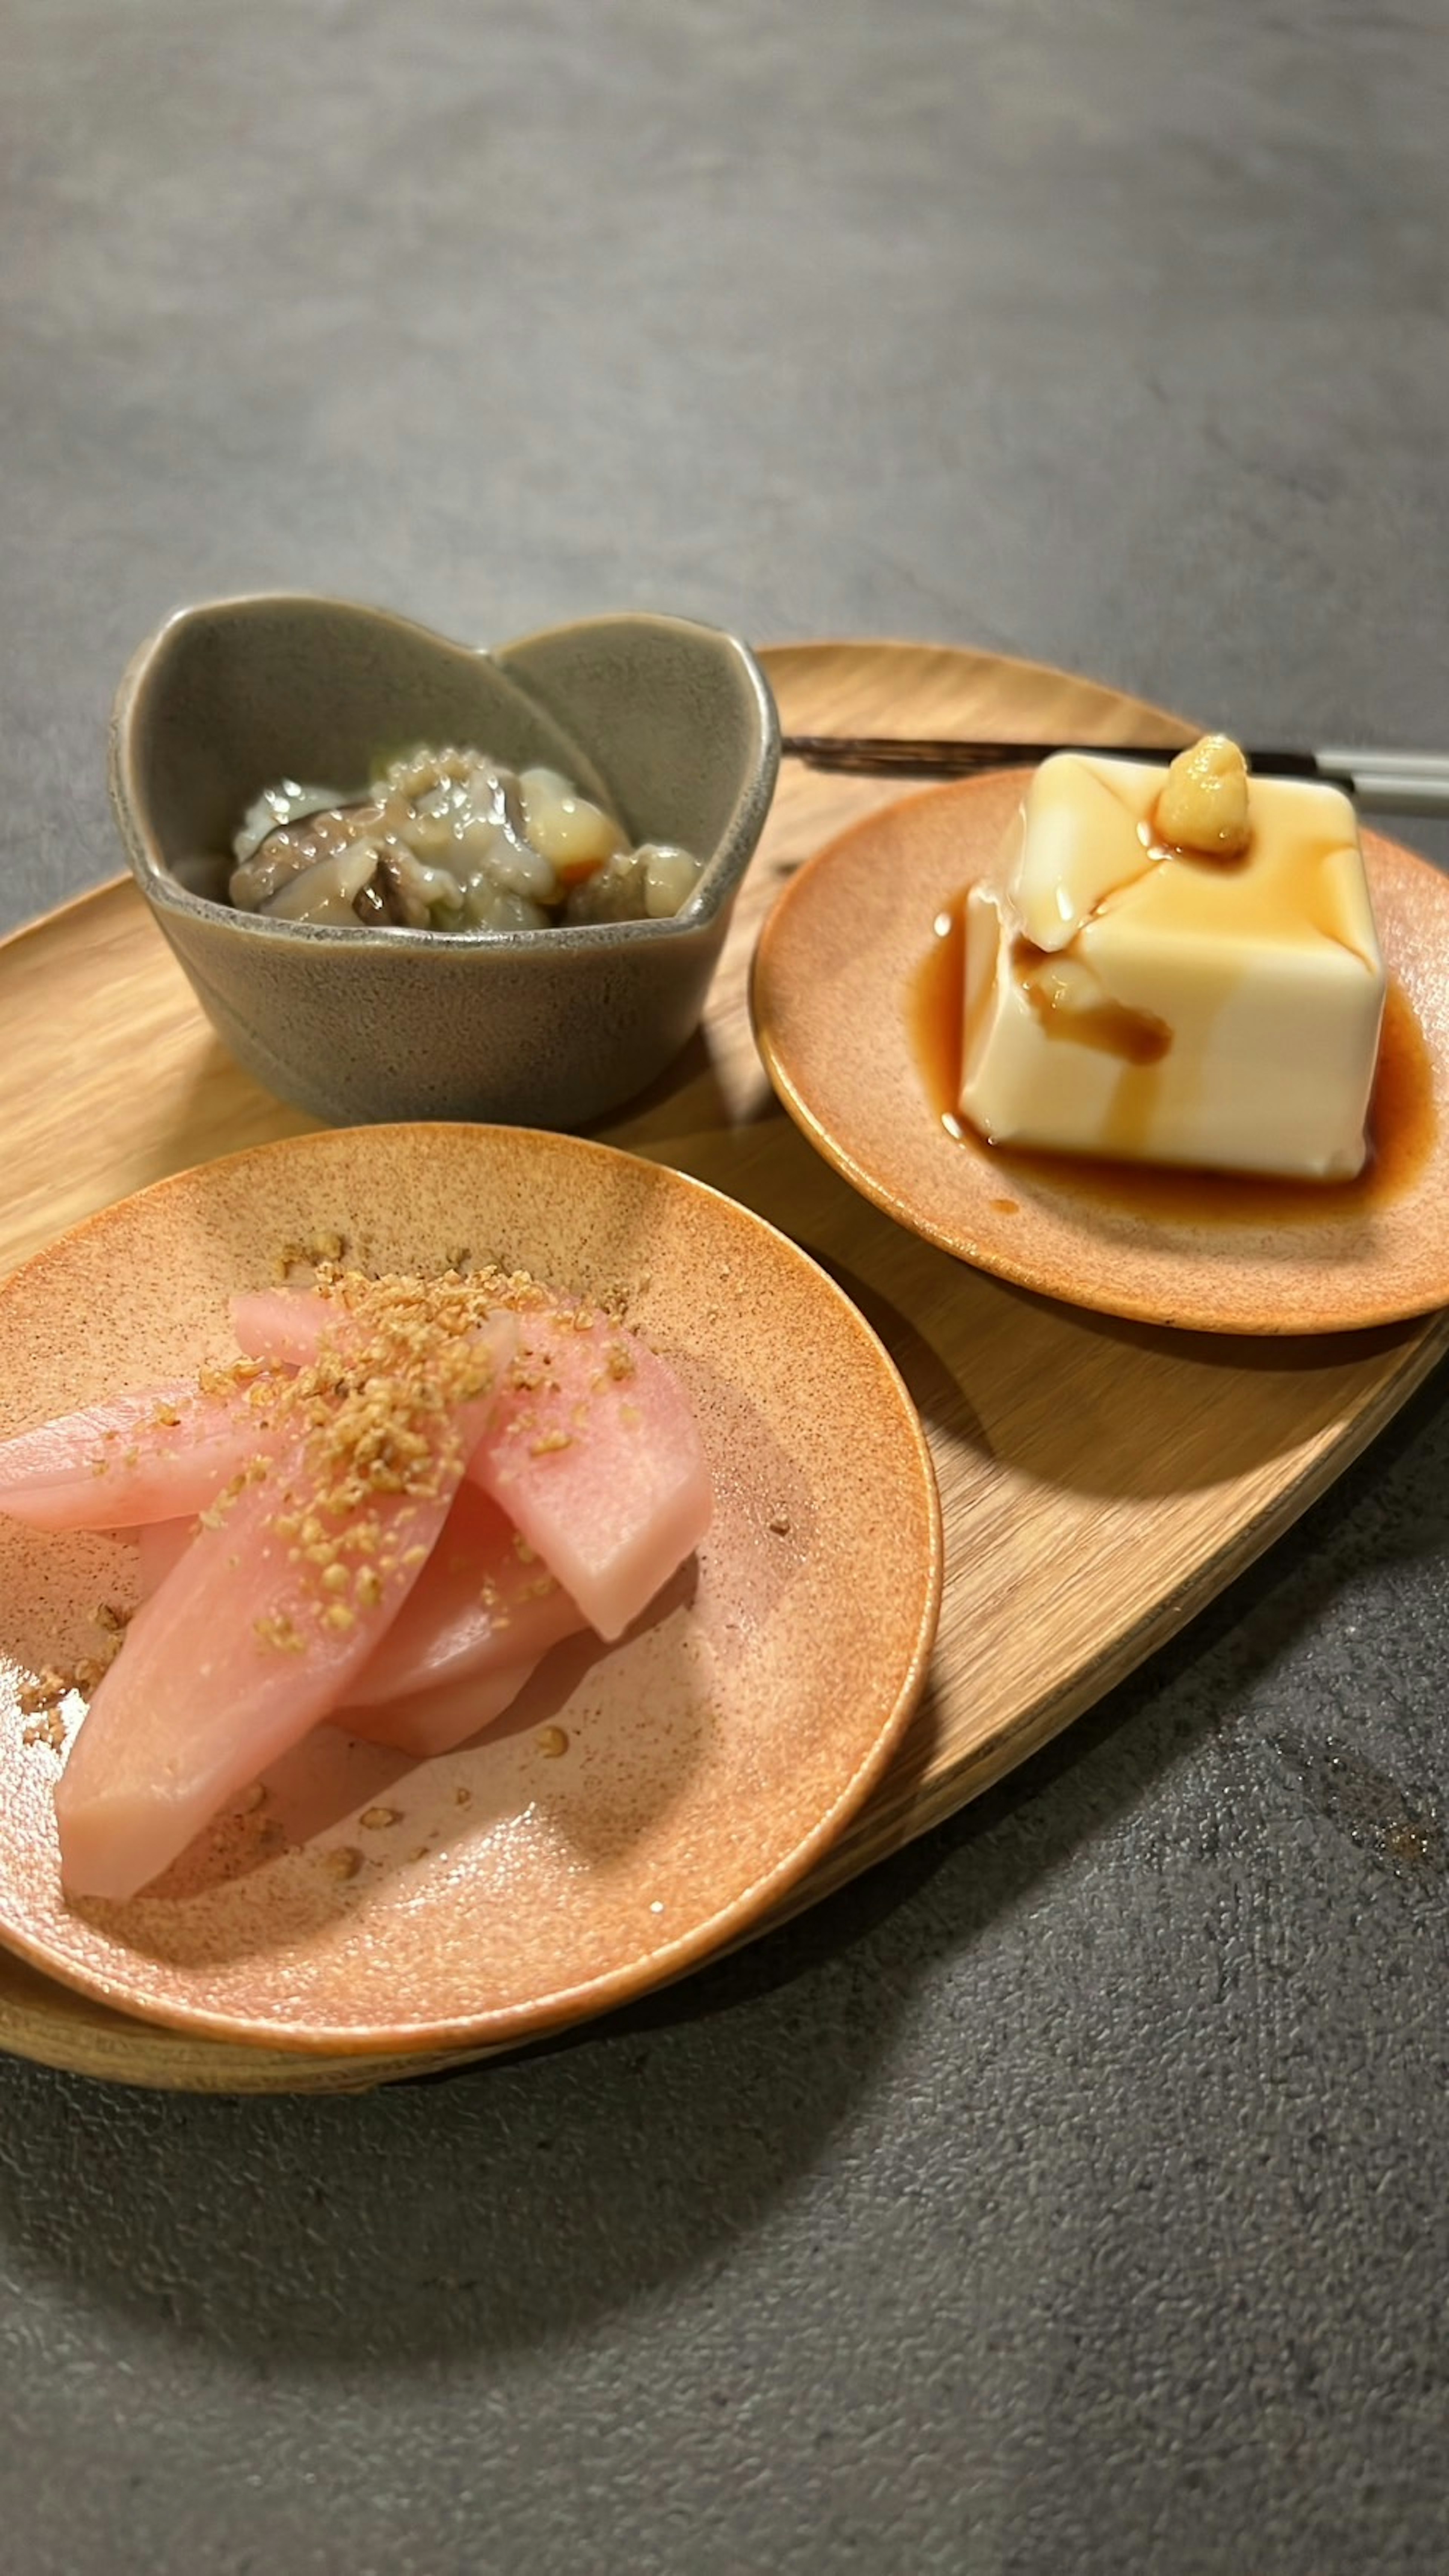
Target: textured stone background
[(1071, 2194)]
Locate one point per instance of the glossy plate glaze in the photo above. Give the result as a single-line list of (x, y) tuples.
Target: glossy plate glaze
[(840, 979), (639, 1805)]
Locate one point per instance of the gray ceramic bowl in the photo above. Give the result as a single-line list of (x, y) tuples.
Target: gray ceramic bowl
[(674, 722)]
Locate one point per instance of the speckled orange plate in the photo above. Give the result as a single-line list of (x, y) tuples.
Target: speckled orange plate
[(837, 994), (707, 1760)]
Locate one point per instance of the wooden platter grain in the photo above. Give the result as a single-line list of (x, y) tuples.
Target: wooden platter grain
[(1100, 1481)]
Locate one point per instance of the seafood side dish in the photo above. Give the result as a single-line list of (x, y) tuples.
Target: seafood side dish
[(451, 840)]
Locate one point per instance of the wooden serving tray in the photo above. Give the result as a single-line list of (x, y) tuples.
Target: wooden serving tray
[(1099, 1481)]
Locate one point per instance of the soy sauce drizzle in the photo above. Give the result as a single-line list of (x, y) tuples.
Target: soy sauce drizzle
[(1135, 1037)]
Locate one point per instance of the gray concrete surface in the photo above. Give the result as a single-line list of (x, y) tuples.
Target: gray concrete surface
[(1071, 2195)]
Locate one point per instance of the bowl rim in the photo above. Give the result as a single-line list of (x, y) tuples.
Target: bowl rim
[(711, 899)]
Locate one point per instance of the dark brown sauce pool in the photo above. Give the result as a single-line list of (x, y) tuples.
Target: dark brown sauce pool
[(1401, 1122)]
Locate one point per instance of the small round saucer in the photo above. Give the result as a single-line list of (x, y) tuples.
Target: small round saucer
[(639, 1806), (836, 973)]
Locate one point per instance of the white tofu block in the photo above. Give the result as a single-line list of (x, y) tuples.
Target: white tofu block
[(1159, 1006)]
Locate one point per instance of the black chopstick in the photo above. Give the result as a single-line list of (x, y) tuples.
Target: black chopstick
[(881, 755), (1401, 782)]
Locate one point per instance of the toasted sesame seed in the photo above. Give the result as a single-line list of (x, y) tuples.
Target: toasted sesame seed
[(276, 1629)]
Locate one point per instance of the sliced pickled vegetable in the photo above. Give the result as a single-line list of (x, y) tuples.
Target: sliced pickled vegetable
[(592, 1450), (272, 1612), (152, 1455), (433, 1721)]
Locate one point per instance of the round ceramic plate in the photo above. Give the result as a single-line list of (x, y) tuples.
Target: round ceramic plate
[(843, 1006), (706, 1760)]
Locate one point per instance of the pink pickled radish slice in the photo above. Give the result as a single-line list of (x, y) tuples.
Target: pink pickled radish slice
[(287, 1326), (592, 1450), (482, 1603), (593, 1453), (161, 1545), (260, 1628), (434, 1721), (153, 1455)]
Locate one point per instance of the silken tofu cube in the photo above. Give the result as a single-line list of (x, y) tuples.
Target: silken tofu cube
[(1136, 998)]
